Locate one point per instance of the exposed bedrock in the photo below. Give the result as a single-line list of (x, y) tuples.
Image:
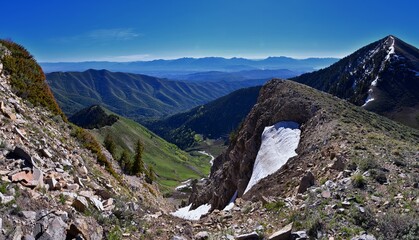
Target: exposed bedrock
[(279, 100)]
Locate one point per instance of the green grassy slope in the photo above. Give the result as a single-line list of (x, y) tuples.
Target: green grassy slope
[(171, 164)]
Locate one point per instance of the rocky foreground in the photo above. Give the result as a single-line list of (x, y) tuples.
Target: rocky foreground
[(51, 186), (354, 172)]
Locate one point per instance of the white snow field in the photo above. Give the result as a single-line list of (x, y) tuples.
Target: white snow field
[(278, 145), (195, 214)]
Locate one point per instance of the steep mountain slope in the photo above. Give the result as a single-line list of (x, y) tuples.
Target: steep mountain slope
[(213, 120), (193, 65), (171, 164), (132, 95), (350, 155), (51, 185), (382, 77)]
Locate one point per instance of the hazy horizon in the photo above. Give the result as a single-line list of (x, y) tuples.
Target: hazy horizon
[(187, 57), (78, 31)]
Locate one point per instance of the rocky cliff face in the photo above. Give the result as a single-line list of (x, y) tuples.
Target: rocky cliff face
[(334, 136)]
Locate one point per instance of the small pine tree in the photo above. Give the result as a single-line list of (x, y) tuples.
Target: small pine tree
[(150, 175), (125, 161), (110, 144), (128, 166), (138, 166)]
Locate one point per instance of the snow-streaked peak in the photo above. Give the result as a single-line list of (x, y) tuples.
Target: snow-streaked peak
[(279, 143), (389, 46), (391, 49), (366, 65)]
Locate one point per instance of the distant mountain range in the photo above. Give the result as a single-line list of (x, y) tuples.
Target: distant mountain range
[(382, 77), (183, 66), (133, 95)]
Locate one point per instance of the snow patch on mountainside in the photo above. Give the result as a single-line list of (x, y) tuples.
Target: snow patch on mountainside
[(374, 83), (195, 214), (278, 145), (184, 184), (230, 205), (370, 98)]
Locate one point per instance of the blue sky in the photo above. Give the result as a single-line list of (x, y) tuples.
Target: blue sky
[(125, 30)]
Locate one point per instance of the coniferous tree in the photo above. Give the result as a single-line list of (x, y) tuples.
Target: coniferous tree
[(125, 161), (110, 144), (128, 166), (138, 166), (150, 175)]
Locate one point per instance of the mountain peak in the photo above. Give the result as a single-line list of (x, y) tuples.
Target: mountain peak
[(390, 37), (382, 77)]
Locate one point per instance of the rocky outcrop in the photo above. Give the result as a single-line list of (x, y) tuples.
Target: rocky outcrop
[(278, 101)]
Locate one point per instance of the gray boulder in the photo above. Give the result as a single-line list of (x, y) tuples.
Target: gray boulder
[(248, 236), (283, 234), (307, 181), (364, 237)]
